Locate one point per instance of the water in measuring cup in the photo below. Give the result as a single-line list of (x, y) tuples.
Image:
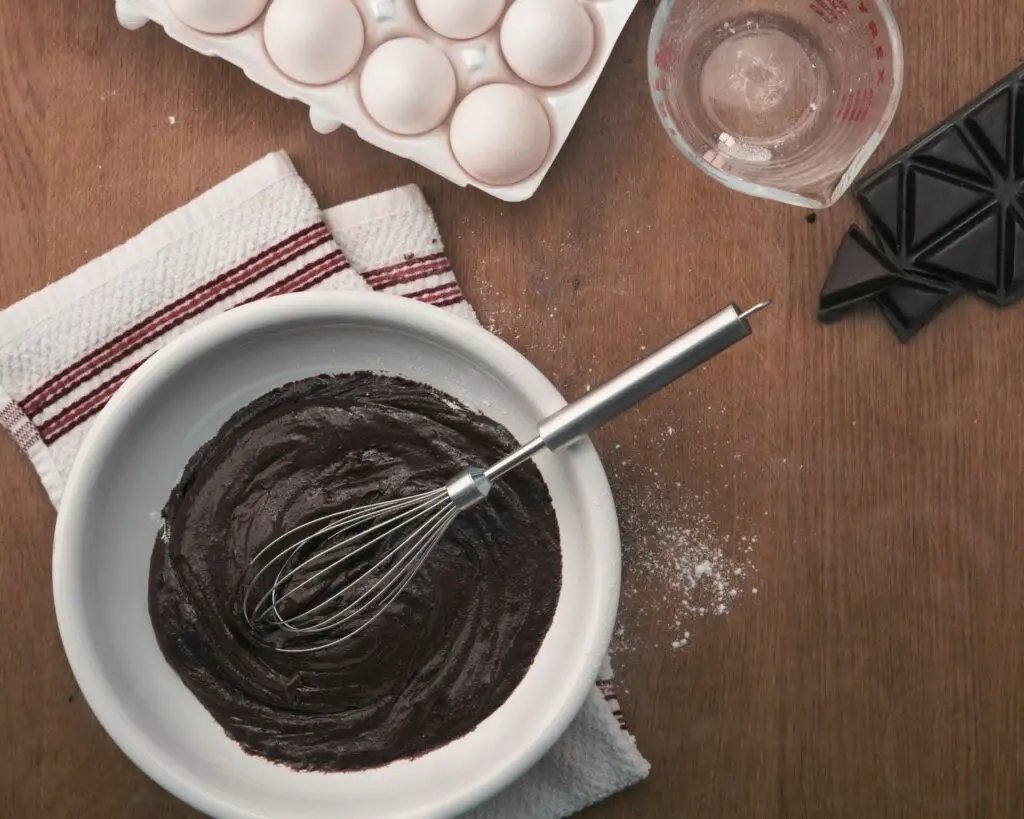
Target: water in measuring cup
[(758, 86)]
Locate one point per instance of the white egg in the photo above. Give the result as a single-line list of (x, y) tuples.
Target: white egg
[(217, 16), (460, 19), (408, 86), (313, 41), (500, 134), (547, 42)]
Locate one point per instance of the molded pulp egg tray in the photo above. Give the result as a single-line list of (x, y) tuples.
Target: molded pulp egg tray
[(502, 144)]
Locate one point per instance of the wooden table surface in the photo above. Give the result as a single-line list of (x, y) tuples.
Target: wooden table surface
[(879, 670)]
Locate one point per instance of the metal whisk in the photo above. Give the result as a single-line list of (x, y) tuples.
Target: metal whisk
[(333, 576)]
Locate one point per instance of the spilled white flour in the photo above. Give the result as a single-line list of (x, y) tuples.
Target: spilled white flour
[(675, 576), (680, 566)]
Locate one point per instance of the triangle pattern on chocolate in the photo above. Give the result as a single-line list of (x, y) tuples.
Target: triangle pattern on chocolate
[(908, 309), (881, 202), (860, 271), (1017, 249), (950, 152), (971, 255), (1018, 133), (936, 203), (990, 125)]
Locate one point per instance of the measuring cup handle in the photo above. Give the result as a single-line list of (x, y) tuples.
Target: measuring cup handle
[(687, 352)]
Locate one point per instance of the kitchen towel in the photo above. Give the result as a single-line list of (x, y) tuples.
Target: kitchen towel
[(67, 348)]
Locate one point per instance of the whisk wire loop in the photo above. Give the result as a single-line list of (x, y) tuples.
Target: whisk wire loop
[(325, 529)]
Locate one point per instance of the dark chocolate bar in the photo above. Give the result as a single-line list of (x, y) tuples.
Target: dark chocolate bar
[(950, 207)]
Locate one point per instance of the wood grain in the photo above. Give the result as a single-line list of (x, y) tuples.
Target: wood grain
[(879, 671)]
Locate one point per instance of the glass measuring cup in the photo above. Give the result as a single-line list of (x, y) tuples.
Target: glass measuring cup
[(782, 99)]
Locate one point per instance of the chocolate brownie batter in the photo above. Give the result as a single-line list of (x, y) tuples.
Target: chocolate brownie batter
[(440, 660)]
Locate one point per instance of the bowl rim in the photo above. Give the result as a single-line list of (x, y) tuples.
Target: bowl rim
[(378, 309)]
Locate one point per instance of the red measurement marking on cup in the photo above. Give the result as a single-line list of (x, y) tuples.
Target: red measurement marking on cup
[(869, 98), (665, 56), (825, 10), (845, 101), (829, 10), (861, 113), (854, 107)]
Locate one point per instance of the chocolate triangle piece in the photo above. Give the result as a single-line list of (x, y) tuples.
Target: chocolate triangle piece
[(937, 203), (860, 271), (1018, 135), (990, 125), (970, 255), (908, 309), (948, 151), (881, 202), (1015, 285)]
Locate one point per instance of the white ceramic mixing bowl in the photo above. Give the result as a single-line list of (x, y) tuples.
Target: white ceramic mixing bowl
[(134, 455)]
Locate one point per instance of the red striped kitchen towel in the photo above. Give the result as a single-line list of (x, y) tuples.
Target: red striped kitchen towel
[(67, 348)]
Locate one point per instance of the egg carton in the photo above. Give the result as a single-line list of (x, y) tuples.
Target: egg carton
[(477, 62)]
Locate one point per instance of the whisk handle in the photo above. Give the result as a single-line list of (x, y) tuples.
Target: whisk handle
[(630, 387)]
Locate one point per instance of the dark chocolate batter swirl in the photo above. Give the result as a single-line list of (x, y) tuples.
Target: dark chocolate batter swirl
[(453, 647)]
